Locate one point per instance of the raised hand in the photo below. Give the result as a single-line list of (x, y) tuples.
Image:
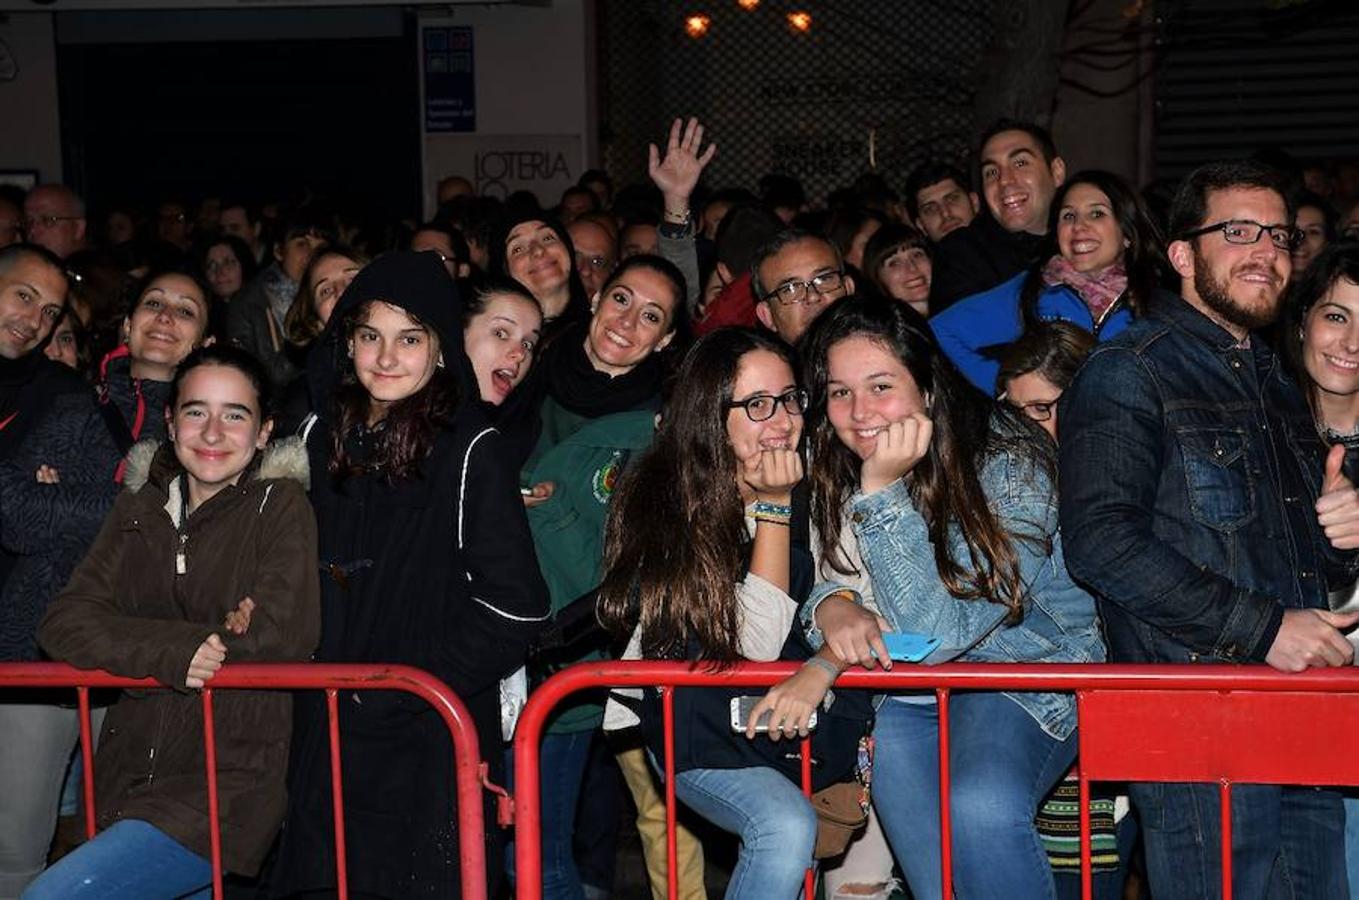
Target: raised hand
[(900, 446), (206, 661), (678, 173), (48, 475), (1338, 505), (771, 474)]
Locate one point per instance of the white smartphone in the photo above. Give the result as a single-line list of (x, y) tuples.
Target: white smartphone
[(741, 708)]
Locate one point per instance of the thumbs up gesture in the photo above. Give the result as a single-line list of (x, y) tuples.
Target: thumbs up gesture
[(1338, 505)]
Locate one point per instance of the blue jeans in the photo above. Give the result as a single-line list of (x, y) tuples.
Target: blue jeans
[(1001, 766), (129, 860), (1352, 841), (775, 823), (562, 769), (1287, 842)]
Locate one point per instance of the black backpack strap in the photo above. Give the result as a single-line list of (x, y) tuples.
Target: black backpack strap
[(113, 421)]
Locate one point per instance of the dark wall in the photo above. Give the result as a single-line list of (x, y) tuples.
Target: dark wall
[(267, 118)]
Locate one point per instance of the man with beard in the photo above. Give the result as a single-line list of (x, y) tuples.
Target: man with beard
[(1202, 509)]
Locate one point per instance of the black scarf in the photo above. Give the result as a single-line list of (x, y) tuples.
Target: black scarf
[(576, 385)]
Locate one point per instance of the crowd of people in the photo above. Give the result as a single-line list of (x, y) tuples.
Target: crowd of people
[(1013, 413)]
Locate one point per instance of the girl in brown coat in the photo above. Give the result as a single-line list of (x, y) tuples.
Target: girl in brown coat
[(209, 531)]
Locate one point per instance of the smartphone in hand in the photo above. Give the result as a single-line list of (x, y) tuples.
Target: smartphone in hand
[(741, 708)]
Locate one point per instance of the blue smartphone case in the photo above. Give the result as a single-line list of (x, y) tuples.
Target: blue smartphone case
[(907, 646)]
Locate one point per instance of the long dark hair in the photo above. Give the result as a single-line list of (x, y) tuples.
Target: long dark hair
[(411, 425), (1144, 258), (944, 486), (1334, 262), (676, 542)]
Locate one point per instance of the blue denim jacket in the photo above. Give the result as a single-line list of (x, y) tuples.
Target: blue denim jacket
[(1190, 468), (1059, 623)]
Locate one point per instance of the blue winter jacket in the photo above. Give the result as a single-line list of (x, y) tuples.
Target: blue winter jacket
[(993, 317)]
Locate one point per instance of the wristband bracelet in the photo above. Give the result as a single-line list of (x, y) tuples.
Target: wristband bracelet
[(824, 665), (773, 509), (785, 521), (678, 216)]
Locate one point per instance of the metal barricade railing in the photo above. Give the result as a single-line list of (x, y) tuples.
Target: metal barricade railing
[(467, 764), (1215, 724)]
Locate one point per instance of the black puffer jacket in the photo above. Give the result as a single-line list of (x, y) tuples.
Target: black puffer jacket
[(46, 528)]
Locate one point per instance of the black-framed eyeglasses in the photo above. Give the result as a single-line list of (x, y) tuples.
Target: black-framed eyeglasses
[(1038, 410), (1246, 231), (762, 407), (791, 292)]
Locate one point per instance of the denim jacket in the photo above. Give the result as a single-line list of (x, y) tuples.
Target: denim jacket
[(1058, 623), (1190, 468)]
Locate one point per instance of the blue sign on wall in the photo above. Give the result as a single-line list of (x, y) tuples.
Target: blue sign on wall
[(450, 91)]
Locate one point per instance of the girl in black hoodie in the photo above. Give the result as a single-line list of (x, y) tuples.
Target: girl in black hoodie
[(428, 562)]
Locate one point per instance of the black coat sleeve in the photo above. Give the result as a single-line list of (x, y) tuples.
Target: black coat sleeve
[(508, 601)]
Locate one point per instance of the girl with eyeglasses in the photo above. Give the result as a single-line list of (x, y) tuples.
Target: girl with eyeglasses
[(1036, 369), (942, 508), (1103, 262), (700, 565)]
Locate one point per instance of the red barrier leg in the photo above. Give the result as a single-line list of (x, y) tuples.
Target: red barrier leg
[(214, 823), (86, 758), (337, 794), (1225, 793), (809, 881), (945, 791), (671, 845)]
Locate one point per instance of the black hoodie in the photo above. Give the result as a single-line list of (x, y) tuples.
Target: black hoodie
[(436, 572)]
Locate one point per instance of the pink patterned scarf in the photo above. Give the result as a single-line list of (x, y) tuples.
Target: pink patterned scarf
[(1099, 290)]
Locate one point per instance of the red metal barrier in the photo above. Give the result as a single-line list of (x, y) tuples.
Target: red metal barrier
[(297, 676), (1215, 724)]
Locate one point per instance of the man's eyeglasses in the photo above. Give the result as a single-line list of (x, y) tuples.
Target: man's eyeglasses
[(46, 221), (762, 407), (791, 292), (1245, 231)]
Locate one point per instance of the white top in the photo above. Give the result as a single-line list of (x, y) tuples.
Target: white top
[(766, 616)]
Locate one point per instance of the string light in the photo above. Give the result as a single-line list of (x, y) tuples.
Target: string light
[(800, 21), (696, 26), (748, 5)]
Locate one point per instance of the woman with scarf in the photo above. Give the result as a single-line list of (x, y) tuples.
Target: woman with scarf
[(1106, 263), (600, 388), (427, 561)]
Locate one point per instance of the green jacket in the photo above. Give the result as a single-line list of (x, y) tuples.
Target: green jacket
[(568, 528)]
